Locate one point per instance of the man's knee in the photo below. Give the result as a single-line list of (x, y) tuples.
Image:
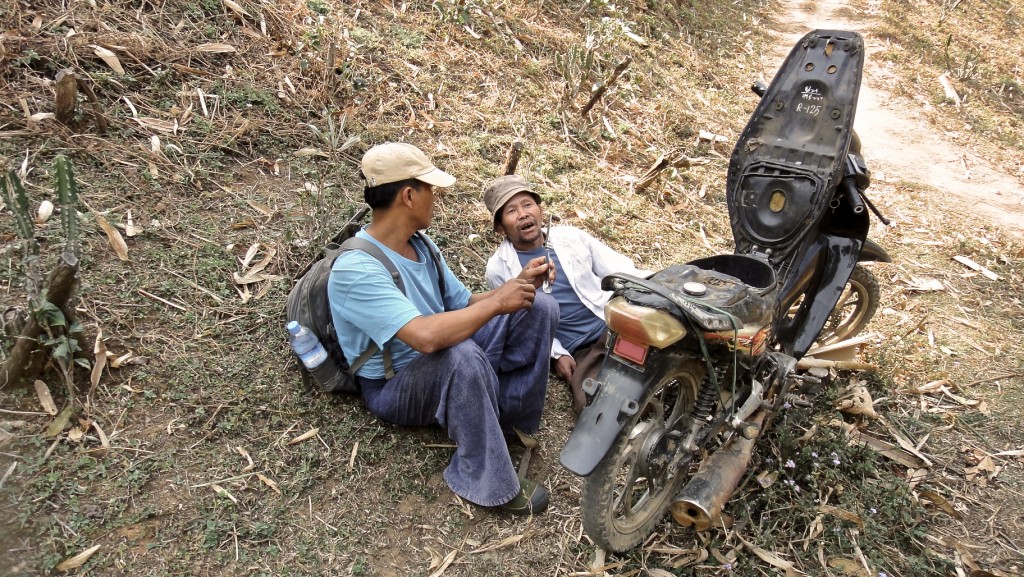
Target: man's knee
[(464, 359), (546, 307)]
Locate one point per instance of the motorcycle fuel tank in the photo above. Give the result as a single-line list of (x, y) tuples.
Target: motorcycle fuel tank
[(790, 155)]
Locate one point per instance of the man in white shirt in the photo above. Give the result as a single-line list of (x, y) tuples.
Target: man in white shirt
[(580, 262)]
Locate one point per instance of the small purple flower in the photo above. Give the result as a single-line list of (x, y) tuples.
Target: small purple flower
[(835, 458), (883, 574), (728, 567), (790, 464), (873, 511), (814, 454), (786, 405)]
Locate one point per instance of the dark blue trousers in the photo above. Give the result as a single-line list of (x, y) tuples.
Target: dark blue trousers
[(478, 390)]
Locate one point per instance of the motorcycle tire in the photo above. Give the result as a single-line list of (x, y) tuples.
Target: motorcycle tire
[(856, 306), (630, 489)]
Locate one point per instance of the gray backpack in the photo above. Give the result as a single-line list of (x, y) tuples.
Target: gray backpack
[(309, 306)]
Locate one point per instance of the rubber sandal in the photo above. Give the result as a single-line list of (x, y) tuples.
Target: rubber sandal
[(531, 499)]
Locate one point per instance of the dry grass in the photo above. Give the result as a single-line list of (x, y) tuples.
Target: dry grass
[(214, 386)]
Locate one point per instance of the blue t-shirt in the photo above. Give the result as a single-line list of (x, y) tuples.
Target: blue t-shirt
[(577, 325), (367, 305)]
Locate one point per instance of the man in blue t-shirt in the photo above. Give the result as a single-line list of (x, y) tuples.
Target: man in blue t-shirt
[(475, 364), (580, 262)]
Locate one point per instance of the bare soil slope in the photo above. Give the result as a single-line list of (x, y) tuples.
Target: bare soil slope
[(900, 145)]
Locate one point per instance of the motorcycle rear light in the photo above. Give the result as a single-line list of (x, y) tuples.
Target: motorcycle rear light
[(629, 350), (642, 325)]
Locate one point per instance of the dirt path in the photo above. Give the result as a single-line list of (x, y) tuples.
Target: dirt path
[(898, 145)]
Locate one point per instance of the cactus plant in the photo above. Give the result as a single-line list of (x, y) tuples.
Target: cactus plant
[(16, 197), (67, 192)]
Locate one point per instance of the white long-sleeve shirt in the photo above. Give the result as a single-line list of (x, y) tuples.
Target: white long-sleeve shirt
[(585, 261)]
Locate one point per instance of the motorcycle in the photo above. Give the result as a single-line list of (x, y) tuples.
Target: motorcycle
[(701, 355)]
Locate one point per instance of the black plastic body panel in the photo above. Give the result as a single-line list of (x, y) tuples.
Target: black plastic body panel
[(791, 153), (620, 387)]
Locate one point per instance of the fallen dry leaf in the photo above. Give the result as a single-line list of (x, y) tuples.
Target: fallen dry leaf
[(109, 57), (1015, 453), (932, 387), (59, 423), (121, 360), (99, 350), (842, 514), (130, 229), (986, 468), (767, 479), (947, 88), (269, 482), (114, 237), (222, 491), (814, 531), (304, 436), (925, 285), (236, 8), (104, 447), (506, 542), (445, 563), (941, 502), (43, 392), (75, 434), (254, 278), (215, 48), (308, 151), (78, 560), (169, 126), (772, 559), (245, 454), (975, 266)]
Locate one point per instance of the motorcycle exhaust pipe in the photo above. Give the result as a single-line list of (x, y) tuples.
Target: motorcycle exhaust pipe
[(701, 501)]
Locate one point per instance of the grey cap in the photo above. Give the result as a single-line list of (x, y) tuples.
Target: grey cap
[(501, 189)]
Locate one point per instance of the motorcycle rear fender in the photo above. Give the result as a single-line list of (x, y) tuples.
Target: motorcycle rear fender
[(872, 252), (841, 255), (615, 398)]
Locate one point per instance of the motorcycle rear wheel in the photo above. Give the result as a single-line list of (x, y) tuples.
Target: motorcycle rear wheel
[(630, 490), (856, 307)]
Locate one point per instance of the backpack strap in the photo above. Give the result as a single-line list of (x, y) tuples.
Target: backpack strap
[(436, 257), (361, 244), (356, 243)]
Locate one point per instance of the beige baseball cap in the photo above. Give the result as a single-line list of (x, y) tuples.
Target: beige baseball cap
[(500, 190), (395, 161)]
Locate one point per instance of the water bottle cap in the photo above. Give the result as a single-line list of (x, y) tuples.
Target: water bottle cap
[(293, 327)]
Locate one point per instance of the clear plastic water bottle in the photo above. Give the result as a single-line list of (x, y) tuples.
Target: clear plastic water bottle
[(306, 345), (318, 362)]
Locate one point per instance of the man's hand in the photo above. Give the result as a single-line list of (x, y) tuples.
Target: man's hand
[(565, 366), (514, 295), (534, 270)]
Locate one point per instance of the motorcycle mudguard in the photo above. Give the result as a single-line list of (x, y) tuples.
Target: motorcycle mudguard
[(600, 422), (872, 252), (791, 154), (841, 255)]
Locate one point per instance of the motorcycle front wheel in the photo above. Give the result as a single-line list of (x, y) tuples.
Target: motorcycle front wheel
[(856, 307), (632, 487)]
